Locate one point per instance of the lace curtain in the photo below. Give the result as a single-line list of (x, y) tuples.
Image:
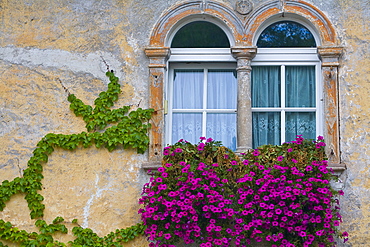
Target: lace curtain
[(193, 92)]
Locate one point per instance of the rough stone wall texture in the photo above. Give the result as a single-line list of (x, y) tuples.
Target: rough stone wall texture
[(353, 25), (48, 43), (44, 43)]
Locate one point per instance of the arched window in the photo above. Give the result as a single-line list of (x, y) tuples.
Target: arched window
[(286, 85), (202, 85)]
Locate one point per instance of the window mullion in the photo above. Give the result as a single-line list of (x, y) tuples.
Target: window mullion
[(205, 93), (319, 102), (170, 105), (282, 103)]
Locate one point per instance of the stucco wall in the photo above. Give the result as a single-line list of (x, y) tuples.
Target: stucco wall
[(353, 24), (47, 44)]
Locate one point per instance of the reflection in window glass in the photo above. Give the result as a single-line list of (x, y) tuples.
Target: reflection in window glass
[(200, 34), (286, 34)]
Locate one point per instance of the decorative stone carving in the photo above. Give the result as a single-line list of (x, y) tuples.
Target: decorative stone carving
[(330, 62), (244, 7), (158, 57)]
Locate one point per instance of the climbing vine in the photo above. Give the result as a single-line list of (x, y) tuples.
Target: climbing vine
[(130, 131)]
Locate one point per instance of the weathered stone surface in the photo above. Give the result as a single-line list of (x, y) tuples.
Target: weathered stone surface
[(48, 45)]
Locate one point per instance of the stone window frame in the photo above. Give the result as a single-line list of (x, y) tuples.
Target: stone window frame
[(244, 29)]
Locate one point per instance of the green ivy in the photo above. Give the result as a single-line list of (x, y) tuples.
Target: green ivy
[(130, 131), (84, 236)]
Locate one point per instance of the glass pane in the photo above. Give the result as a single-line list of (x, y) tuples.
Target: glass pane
[(266, 128), (187, 126), (222, 127), (221, 89), (188, 89), (266, 86), (300, 123), (200, 34), (286, 34), (300, 86)]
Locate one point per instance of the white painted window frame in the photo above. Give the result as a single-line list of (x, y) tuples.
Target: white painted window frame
[(222, 58), (292, 57), (194, 58)]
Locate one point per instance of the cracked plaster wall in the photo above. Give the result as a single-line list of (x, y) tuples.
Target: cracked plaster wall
[(44, 43)]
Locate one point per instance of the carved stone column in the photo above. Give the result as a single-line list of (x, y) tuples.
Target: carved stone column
[(244, 56), (330, 62), (158, 57)]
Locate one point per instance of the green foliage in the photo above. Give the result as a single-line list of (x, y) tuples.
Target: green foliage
[(44, 238), (129, 132), (84, 237), (305, 153)]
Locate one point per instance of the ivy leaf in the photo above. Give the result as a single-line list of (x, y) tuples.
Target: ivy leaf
[(58, 220)]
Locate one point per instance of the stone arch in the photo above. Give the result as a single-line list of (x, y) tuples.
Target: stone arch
[(221, 14), (300, 10)]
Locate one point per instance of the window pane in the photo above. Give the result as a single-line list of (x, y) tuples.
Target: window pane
[(300, 86), (286, 34), (300, 123), (266, 86), (187, 126), (187, 89), (222, 89), (266, 128), (222, 127), (200, 34)]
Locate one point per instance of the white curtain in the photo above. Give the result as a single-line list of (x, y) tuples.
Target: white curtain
[(188, 89), (221, 93), (300, 86), (187, 94), (266, 92), (300, 92)]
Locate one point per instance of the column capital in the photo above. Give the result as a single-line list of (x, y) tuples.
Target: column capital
[(157, 52), (158, 56), (329, 55), (246, 52)]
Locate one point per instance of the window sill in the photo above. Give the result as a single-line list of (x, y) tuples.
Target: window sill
[(154, 165), (337, 167)]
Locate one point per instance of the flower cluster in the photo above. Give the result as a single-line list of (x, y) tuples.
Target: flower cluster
[(206, 194)]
